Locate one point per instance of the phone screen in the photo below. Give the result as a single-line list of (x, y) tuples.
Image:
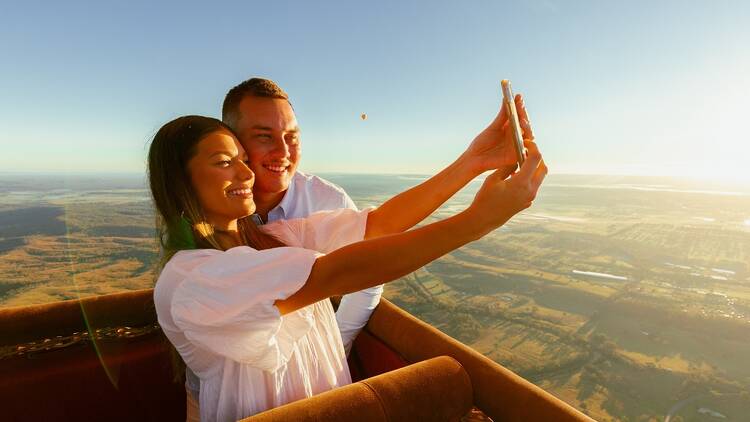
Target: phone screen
[(510, 105)]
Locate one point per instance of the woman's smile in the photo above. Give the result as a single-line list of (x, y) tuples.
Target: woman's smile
[(245, 192)]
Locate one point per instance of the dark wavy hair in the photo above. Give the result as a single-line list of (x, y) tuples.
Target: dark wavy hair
[(181, 222)]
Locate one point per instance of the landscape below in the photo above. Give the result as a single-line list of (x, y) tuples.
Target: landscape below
[(627, 297)]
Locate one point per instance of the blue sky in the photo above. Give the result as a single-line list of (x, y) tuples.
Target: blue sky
[(612, 88)]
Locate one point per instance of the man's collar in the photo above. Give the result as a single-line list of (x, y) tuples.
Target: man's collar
[(257, 220), (286, 202)]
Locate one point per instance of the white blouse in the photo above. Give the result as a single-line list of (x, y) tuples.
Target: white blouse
[(217, 309)]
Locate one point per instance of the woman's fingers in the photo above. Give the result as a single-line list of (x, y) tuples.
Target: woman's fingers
[(539, 175), (502, 116), (523, 118), (533, 158)]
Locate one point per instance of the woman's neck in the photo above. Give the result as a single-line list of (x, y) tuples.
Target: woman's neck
[(228, 239), (226, 233)]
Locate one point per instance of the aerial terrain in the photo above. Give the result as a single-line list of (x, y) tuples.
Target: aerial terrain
[(627, 297)]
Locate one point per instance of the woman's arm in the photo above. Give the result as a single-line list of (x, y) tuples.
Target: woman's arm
[(491, 149), (374, 261)]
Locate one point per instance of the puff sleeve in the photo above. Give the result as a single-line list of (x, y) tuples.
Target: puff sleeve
[(226, 303), (323, 231)]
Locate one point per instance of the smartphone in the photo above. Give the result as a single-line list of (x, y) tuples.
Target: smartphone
[(515, 126)]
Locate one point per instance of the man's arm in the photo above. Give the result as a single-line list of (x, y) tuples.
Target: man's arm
[(355, 308)]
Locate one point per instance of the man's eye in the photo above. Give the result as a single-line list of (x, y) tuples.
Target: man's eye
[(263, 138)]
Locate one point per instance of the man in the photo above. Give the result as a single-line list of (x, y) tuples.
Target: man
[(260, 113)]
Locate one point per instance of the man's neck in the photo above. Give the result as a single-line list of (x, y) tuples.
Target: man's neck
[(265, 202)]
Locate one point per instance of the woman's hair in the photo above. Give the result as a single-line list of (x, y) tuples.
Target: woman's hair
[(180, 220)]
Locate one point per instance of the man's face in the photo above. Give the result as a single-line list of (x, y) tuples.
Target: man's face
[(268, 131)]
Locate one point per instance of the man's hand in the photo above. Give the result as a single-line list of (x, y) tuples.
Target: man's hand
[(493, 147)]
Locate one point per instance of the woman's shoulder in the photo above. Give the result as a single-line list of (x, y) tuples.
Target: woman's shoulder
[(213, 265), (214, 262), (185, 261), (287, 231), (190, 258)]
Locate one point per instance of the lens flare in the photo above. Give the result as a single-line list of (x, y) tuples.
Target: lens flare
[(72, 262)]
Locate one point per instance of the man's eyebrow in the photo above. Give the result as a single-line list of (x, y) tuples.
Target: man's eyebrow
[(270, 129)]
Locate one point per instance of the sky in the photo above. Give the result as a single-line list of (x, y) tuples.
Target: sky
[(644, 88)]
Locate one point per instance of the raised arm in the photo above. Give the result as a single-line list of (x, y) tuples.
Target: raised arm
[(370, 262), (491, 149)]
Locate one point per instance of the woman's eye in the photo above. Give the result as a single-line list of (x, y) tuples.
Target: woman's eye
[(224, 163)]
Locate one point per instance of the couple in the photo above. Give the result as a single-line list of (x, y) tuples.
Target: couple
[(245, 303)]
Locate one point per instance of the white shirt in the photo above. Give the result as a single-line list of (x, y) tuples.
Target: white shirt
[(308, 194), (217, 309)]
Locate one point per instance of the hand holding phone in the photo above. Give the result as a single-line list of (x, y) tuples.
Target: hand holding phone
[(515, 125)]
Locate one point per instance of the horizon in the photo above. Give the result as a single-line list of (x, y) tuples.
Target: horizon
[(645, 183), (134, 173)]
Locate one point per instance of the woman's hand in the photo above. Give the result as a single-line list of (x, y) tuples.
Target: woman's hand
[(493, 147), (499, 198)]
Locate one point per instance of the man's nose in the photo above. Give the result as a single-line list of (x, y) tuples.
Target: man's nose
[(280, 147)]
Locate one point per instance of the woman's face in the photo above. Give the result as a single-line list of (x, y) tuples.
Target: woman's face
[(222, 180)]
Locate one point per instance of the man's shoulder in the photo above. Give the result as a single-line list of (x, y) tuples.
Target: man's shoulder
[(316, 185), (313, 193)]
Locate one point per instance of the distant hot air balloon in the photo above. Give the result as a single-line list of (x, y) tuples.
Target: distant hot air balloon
[(363, 116)]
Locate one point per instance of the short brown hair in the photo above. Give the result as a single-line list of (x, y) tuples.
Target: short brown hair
[(254, 87)]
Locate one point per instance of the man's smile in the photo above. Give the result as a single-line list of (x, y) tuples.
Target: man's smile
[(276, 168)]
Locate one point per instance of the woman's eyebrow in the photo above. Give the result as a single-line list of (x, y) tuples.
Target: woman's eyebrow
[(231, 154)]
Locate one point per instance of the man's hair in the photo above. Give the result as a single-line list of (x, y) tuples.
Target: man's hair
[(254, 87)]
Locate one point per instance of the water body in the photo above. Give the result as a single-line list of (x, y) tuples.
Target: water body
[(554, 218), (706, 219), (601, 275), (683, 267), (723, 271)]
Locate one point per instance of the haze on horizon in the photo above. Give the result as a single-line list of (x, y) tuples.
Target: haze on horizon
[(635, 89)]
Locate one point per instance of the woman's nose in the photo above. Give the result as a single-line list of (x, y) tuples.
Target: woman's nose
[(244, 172)]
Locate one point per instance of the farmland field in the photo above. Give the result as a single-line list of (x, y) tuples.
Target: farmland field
[(623, 296)]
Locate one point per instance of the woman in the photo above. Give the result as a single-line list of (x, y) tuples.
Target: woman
[(244, 306)]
